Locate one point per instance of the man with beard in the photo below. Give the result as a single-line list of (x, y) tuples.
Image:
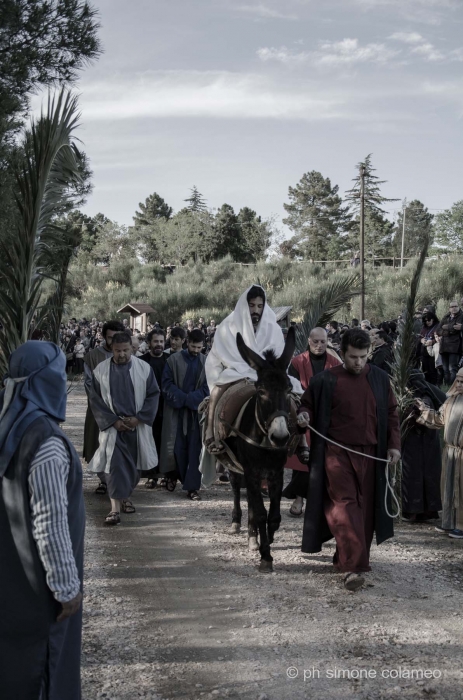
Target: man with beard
[(176, 340), (157, 358), (124, 398), (256, 322), (316, 359), (353, 405), (91, 360), (184, 387)]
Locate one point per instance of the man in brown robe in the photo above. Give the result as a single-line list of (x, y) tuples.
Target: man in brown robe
[(352, 404), (92, 360)]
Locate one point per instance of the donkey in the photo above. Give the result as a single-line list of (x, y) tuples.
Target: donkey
[(262, 444)]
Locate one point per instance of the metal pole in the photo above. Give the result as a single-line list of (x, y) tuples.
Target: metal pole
[(403, 235), (362, 241)]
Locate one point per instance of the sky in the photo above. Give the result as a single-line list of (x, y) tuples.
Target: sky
[(242, 97)]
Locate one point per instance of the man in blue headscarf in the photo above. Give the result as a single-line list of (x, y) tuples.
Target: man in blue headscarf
[(42, 522)]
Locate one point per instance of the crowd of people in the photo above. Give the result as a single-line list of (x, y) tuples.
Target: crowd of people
[(78, 337), (147, 397)]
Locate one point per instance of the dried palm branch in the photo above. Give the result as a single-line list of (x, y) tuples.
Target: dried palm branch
[(332, 297), (29, 253)]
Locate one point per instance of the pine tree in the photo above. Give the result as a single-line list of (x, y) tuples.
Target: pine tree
[(378, 230), (196, 201), (373, 196), (255, 234), (418, 229), (154, 208), (317, 217)]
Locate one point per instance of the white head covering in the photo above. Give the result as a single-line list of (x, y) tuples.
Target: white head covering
[(224, 363)]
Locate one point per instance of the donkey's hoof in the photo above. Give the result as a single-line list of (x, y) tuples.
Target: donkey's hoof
[(265, 567), (235, 529), (253, 546)]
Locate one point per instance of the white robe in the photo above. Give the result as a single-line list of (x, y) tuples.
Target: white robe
[(224, 363)]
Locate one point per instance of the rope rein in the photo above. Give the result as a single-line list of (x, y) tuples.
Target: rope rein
[(390, 478)]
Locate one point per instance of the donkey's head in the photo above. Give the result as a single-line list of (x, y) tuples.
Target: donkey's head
[(273, 387)]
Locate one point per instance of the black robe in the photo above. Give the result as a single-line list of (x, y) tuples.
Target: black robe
[(316, 530)]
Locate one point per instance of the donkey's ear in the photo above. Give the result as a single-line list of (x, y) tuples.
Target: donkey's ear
[(254, 360), (290, 345)]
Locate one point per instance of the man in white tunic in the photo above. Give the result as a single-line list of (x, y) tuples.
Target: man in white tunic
[(124, 398), (255, 320)]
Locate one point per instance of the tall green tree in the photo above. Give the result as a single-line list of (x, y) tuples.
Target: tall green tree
[(418, 229), (154, 208), (229, 239), (378, 230), (256, 234), (196, 201), (317, 217), (448, 228), (42, 42)]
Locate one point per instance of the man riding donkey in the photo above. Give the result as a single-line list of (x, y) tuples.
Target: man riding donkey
[(255, 321)]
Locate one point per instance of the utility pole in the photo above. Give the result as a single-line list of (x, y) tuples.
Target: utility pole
[(404, 209), (362, 241)]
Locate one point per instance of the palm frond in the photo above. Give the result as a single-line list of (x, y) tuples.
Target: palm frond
[(331, 298), (50, 164), (405, 347), (403, 360)]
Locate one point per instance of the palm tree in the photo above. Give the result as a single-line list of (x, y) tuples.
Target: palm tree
[(332, 297), (34, 251)]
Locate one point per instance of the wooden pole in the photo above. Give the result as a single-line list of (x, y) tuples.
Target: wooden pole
[(362, 241), (403, 235)]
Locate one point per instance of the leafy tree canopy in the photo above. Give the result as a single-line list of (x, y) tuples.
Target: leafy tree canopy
[(418, 229), (42, 42), (449, 228), (154, 207), (318, 218)]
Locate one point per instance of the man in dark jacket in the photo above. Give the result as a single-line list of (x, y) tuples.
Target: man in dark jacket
[(450, 349), (382, 353)]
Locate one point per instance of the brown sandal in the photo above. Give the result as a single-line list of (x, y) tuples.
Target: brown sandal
[(127, 506), (113, 518)]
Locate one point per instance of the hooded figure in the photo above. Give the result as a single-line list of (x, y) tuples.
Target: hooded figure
[(41, 568), (224, 364), (421, 456)]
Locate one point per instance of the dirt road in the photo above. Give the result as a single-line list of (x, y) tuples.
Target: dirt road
[(175, 608)]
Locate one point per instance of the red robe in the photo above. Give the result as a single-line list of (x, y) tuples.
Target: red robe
[(350, 479), (303, 367)]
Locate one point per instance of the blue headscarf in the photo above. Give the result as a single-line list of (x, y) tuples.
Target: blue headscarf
[(35, 387)]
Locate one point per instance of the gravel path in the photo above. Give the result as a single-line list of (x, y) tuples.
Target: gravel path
[(175, 608)]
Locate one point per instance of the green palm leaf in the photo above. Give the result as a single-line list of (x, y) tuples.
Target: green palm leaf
[(29, 253), (331, 298)]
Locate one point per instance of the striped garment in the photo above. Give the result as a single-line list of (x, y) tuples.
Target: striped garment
[(49, 509)]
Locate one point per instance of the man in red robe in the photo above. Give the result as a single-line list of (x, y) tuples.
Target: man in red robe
[(314, 360), (352, 404)]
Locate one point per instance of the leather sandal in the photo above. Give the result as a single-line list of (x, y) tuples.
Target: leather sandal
[(127, 506), (113, 518)]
